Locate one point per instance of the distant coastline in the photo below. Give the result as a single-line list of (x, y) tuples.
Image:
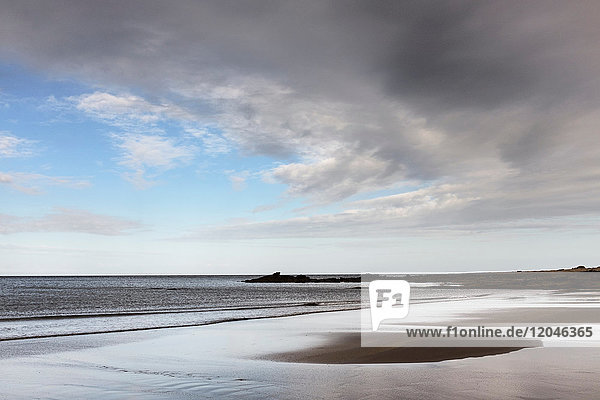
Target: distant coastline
[(580, 268), (277, 277)]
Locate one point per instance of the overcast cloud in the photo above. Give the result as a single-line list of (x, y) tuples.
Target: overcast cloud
[(489, 109)]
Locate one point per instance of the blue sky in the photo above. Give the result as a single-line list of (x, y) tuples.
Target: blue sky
[(203, 138)]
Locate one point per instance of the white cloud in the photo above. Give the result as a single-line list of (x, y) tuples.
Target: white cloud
[(435, 195), (70, 220), (269, 118), (447, 214), (501, 202), (213, 143), (143, 154), (127, 110), (145, 148), (13, 146), (32, 183), (238, 179), (335, 178), (354, 223)]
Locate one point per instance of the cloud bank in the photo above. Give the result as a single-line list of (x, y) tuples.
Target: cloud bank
[(489, 109)]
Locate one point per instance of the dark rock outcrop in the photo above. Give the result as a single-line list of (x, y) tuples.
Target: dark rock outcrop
[(278, 278)]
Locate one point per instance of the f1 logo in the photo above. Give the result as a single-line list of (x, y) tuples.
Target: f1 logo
[(389, 299)]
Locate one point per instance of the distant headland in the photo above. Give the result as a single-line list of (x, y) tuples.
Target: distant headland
[(276, 277), (580, 268)]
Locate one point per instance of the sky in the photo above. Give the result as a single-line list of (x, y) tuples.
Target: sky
[(154, 137)]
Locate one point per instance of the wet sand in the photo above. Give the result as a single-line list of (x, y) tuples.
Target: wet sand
[(345, 348), (310, 356)]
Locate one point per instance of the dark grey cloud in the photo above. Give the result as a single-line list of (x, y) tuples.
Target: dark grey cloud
[(487, 54), (357, 96), (447, 56), (458, 52)]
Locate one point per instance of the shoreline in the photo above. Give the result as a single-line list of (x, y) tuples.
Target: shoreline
[(237, 360), (321, 347), (157, 328)]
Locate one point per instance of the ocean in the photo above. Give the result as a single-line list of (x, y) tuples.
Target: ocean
[(37, 307), (34, 307)]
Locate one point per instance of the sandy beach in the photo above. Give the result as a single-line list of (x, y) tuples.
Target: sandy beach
[(308, 356)]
